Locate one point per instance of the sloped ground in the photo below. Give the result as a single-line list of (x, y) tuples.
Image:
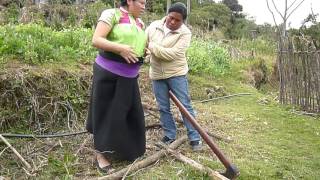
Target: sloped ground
[(268, 141), (46, 100)]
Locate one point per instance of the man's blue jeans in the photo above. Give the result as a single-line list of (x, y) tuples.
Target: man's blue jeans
[(179, 87)]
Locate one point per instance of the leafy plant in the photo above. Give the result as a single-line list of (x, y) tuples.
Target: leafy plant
[(208, 57)]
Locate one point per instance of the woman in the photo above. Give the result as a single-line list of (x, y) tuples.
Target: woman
[(169, 39), (115, 116)]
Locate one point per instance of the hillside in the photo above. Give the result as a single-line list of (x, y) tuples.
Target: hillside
[(264, 139)]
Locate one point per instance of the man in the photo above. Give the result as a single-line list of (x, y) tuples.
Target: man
[(169, 39)]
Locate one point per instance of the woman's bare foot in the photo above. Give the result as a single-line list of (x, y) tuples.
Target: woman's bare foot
[(102, 163)]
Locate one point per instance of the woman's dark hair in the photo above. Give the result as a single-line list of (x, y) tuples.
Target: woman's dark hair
[(124, 3), (179, 7)]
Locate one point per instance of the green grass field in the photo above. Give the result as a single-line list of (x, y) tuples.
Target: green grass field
[(269, 141)]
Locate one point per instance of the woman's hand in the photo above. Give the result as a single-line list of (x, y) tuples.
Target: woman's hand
[(128, 54), (99, 41)]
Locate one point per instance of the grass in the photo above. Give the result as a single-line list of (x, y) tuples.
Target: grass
[(269, 140), (271, 143)]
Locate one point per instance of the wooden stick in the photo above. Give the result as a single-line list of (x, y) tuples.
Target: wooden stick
[(193, 163), (125, 175), (15, 152), (146, 162)]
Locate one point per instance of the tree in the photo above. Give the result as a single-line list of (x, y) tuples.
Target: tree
[(313, 30), (240, 28), (288, 10), (233, 5), (215, 14)]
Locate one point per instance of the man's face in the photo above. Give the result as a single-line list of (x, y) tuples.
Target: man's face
[(174, 21)]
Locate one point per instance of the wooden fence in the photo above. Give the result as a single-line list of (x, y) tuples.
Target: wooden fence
[(299, 72)]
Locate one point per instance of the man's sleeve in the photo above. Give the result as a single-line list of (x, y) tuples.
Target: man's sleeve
[(178, 51)]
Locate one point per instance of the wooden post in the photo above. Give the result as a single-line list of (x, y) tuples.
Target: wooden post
[(188, 9), (188, 6), (168, 5)]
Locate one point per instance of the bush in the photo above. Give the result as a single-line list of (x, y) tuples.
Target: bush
[(208, 57), (34, 44)]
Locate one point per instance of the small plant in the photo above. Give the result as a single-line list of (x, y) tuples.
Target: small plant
[(62, 167)]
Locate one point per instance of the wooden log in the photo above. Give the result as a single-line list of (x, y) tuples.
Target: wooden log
[(146, 162), (213, 174)]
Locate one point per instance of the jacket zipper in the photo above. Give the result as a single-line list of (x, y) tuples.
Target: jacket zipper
[(161, 63)]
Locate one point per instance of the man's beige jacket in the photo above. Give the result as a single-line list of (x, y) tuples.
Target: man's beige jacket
[(168, 52)]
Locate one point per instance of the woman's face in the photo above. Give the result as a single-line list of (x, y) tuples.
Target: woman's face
[(136, 7), (174, 21)]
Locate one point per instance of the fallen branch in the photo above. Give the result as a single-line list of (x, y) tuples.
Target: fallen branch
[(149, 107), (125, 175), (153, 126), (305, 113), (16, 152), (213, 174), (82, 145), (222, 97), (43, 136), (146, 162), (3, 151)]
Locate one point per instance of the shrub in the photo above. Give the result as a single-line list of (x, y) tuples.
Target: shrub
[(208, 57), (35, 44)]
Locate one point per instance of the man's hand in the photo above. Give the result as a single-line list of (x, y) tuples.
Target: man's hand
[(150, 46), (147, 52)]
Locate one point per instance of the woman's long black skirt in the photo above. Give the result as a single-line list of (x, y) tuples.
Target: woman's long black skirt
[(115, 116)]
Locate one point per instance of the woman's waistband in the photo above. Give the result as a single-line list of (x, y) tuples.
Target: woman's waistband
[(115, 57)]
